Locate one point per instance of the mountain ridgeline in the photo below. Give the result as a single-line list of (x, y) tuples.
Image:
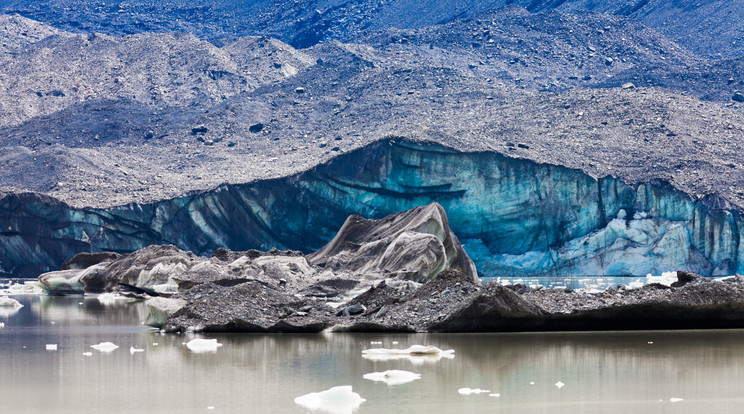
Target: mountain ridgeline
[(514, 217)]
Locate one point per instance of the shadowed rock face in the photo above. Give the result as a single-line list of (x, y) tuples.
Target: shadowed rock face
[(515, 217)]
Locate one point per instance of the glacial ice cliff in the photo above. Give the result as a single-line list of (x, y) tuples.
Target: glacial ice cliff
[(515, 217)]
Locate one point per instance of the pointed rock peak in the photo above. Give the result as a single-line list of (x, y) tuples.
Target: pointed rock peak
[(415, 245)]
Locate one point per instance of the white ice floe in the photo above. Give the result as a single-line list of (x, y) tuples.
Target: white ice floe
[(108, 299), (392, 377), (87, 354), (495, 395), (25, 288), (9, 306), (666, 279), (375, 342), (532, 382), (417, 354), (105, 347), (203, 345), (337, 400), (560, 384), (133, 350), (468, 391), (2, 324), (6, 302), (51, 347), (674, 400)]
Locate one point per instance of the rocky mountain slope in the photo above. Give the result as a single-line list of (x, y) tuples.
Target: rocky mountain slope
[(137, 135), (710, 28)]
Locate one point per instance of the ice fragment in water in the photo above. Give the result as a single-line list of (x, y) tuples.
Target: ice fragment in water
[(674, 400), (560, 384), (2, 324), (495, 395), (87, 354), (203, 345), (104, 347), (337, 400), (9, 306), (468, 391), (107, 299), (417, 354), (133, 350), (392, 377), (51, 347), (532, 382)]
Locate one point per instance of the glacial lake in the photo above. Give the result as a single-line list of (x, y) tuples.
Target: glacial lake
[(603, 372)]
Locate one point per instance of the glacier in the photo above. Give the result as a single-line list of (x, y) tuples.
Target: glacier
[(515, 217)]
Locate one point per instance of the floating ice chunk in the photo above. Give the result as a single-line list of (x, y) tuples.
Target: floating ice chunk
[(666, 279), (105, 347), (133, 350), (9, 306), (393, 377), (87, 354), (532, 382), (203, 345), (674, 400), (337, 400), (417, 354), (495, 395), (211, 407), (375, 342), (2, 324), (468, 391), (51, 347), (395, 342), (6, 302), (108, 299), (25, 288), (560, 384), (155, 344), (650, 342)]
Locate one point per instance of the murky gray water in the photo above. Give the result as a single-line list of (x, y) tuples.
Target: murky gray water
[(602, 372)]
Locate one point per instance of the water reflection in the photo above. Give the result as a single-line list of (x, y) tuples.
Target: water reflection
[(608, 372)]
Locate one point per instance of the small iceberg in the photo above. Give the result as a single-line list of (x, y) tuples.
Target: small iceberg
[(417, 354), (337, 400), (203, 345), (560, 384), (105, 347), (468, 391), (392, 377), (87, 354), (25, 288), (51, 347), (108, 299), (675, 400), (6, 302), (133, 350), (666, 279), (9, 306)]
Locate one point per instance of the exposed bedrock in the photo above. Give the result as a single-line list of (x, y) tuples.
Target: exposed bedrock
[(515, 217)]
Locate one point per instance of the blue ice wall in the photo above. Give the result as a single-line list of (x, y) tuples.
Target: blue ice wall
[(515, 217)]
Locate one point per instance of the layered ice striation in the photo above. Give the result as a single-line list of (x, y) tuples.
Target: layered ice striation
[(515, 217)]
